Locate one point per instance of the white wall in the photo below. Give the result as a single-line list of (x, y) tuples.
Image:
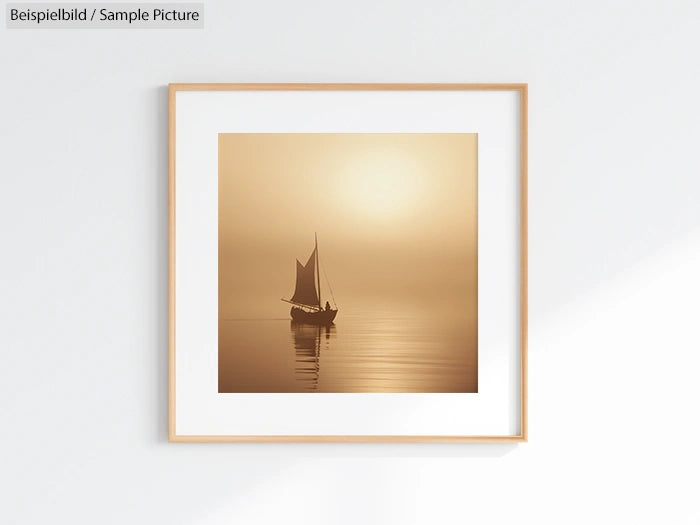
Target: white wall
[(614, 263)]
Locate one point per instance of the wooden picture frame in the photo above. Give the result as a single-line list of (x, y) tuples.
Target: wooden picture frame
[(518, 90)]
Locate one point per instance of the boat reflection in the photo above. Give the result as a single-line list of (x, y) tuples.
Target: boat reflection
[(308, 341)]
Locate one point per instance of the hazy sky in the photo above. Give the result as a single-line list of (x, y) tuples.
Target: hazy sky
[(395, 216)]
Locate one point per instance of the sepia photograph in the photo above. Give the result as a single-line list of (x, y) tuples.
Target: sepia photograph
[(347, 262)]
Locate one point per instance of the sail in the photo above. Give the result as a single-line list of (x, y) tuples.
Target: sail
[(305, 292)]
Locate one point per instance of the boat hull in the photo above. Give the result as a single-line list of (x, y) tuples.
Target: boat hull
[(322, 317)]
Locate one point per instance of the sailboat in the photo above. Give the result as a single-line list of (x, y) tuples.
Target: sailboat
[(306, 301)]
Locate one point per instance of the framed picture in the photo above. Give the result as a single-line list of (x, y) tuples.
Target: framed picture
[(348, 262)]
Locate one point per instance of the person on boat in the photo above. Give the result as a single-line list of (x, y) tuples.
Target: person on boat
[(328, 306)]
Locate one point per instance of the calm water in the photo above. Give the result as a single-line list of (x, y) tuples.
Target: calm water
[(363, 352)]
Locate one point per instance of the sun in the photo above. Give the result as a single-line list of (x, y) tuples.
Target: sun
[(380, 186)]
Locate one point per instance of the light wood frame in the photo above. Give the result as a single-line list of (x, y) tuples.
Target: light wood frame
[(522, 89)]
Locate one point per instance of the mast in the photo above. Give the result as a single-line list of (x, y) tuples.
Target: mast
[(318, 273)]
